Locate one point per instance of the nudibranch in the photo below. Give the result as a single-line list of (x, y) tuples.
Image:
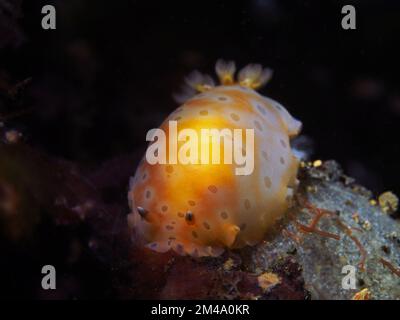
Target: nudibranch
[(202, 209)]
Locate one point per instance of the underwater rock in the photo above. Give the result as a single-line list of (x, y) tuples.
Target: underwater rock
[(322, 259), (36, 189), (310, 269)]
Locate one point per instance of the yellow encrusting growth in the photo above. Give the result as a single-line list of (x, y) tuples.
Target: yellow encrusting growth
[(201, 209), (388, 202)]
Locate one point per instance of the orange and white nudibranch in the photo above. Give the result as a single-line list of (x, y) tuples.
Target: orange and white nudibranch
[(201, 209)]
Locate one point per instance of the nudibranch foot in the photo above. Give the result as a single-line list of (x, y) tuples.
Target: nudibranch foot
[(193, 250)]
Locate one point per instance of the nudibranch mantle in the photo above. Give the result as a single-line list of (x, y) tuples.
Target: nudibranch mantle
[(199, 209)]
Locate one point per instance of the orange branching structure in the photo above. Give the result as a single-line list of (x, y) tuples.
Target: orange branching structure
[(390, 266), (349, 232), (312, 227), (318, 213), (296, 238)]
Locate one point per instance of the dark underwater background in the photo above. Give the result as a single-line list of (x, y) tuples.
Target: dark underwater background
[(90, 90)]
